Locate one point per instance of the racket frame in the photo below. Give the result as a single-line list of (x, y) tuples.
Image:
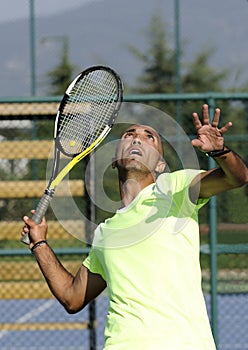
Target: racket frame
[(56, 177)]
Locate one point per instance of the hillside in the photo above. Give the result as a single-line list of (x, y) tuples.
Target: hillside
[(100, 32)]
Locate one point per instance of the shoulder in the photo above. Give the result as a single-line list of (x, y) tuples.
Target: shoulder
[(178, 179), (179, 183)]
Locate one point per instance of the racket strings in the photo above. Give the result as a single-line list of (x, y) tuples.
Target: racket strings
[(89, 107)]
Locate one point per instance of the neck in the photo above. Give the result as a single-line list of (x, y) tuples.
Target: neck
[(131, 185)]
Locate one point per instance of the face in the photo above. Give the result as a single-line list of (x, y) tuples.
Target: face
[(140, 149)]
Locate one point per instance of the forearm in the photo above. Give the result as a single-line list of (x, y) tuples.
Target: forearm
[(68, 289), (231, 173), (59, 280), (235, 172)]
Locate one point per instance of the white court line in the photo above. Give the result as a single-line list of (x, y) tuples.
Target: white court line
[(30, 314)]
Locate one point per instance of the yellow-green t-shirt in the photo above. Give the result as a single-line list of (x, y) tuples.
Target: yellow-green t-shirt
[(148, 254)]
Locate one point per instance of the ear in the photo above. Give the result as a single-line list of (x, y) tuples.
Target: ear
[(160, 166)]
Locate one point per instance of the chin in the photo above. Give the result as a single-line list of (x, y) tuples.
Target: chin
[(138, 167)]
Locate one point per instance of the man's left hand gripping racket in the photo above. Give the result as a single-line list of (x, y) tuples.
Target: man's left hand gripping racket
[(86, 115)]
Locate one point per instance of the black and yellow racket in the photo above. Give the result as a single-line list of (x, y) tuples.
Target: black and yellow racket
[(86, 115)]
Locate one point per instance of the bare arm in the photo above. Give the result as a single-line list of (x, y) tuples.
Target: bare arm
[(73, 292), (232, 171)]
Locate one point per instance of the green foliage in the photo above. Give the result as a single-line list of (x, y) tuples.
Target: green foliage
[(200, 77), (61, 76), (158, 74)]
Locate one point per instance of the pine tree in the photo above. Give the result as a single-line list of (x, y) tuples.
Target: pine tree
[(158, 75), (61, 75)]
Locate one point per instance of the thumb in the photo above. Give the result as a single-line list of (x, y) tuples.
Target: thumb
[(196, 143), (29, 222)]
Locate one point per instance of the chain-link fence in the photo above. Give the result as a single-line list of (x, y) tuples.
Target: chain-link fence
[(30, 317)]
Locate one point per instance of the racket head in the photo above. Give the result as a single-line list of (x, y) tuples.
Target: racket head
[(88, 109)]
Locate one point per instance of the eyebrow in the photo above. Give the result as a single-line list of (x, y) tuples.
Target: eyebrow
[(129, 130), (145, 130), (150, 133)]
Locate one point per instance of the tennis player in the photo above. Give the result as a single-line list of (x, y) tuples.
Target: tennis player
[(147, 254)]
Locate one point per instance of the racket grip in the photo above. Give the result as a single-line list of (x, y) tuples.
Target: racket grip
[(39, 213)]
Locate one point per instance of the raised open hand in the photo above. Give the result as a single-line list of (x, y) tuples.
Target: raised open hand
[(209, 136)]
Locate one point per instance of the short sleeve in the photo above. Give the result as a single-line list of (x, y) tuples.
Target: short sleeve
[(93, 264), (178, 183)]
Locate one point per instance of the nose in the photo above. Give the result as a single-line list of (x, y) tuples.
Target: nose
[(136, 141)]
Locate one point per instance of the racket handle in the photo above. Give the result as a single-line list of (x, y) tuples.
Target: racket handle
[(39, 213)]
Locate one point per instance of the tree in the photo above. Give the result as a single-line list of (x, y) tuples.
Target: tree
[(159, 72), (199, 76), (61, 76)]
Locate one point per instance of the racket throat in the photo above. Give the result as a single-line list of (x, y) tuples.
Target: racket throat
[(49, 192)]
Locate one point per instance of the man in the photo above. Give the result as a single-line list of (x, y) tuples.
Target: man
[(147, 254)]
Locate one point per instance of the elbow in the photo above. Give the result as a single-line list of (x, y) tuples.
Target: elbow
[(73, 308), (71, 311), (73, 303)]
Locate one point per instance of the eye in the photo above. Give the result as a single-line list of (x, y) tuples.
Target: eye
[(150, 137), (128, 134)]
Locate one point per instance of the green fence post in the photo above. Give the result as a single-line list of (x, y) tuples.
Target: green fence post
[(213, 248)]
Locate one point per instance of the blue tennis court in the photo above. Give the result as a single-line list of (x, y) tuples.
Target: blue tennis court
[(48, 311), (232, 308)]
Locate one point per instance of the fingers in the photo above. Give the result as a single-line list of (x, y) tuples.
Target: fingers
[(31, 224), (216, 118), (36, 231), (25, 230), (205, 114), (196, 143), (209, 135), (225, 128), (28, 221), (205, 117), (196, 121), (196, 118), (206, 120)]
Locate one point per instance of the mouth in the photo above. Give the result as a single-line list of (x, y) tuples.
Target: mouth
[(135, 151)]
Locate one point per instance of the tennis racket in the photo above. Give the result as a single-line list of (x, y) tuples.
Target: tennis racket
[(85, 116)]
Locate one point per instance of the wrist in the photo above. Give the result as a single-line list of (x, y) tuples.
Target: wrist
[(218, 153), (37, 245)]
